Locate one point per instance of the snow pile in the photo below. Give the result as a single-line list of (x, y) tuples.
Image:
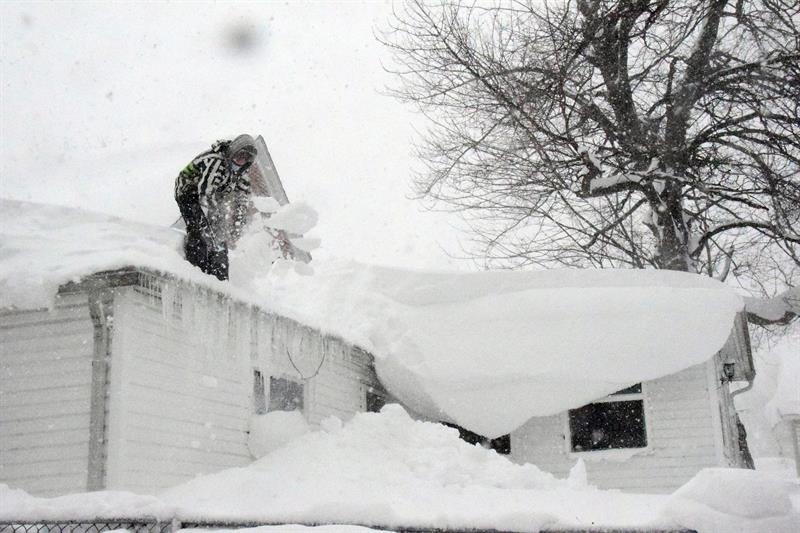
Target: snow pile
[(19, 505), (275, 429), (389, 470), (726, 500), (780, 468), (489, 350), (274, 241), (290, 528), (786, 399)]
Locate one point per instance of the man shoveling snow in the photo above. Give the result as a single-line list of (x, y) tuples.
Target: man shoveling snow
[(213, 194)]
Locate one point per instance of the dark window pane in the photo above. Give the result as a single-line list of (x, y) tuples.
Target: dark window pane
[(633, 389), (285, 395), (603, 426), (375, 402)]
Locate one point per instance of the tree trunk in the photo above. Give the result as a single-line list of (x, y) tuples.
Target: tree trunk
[(673, 244), (672, 250)]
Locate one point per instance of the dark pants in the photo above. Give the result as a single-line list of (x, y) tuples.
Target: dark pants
[(199, 246)]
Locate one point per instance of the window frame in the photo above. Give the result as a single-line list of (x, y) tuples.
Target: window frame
[(370, 393), (615, 397), (260, 400), (276, 377)]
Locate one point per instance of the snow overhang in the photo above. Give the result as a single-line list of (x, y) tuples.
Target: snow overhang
[(490, 350)]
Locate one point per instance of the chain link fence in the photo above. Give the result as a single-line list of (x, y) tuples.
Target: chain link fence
[(153, 526), (67, 526)]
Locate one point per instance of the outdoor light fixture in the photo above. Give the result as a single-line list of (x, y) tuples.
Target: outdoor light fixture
[(728, 370)]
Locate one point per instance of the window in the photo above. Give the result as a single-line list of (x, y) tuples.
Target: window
[(375, 402), (501, 444), (616, 421), (285, 395), (259, 396)]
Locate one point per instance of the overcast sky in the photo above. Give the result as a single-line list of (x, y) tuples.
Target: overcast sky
[(103, 103)]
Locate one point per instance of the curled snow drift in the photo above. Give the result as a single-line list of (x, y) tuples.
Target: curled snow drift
[(489, 350)]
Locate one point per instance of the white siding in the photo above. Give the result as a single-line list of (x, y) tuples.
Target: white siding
[(45, 393), (178, 395), (794, 435), (680, 435), (340, 385), (787, 435), (182, 381)]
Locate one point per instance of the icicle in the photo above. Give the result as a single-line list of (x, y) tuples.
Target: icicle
[(164, 302), (255, 325)]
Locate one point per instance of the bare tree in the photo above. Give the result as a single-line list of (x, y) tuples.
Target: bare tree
[(627, 133)]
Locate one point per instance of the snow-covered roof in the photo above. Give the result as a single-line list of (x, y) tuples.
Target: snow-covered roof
[(43, 247), (486, 350)]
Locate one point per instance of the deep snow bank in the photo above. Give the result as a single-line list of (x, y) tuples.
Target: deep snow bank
[(17, 504), (270, 431), (786, 398), (487, 350), (389, 470), (729, 500)]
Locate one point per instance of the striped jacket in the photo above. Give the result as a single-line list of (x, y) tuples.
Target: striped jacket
[(222, 194)]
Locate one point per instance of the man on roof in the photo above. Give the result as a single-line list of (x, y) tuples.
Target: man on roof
[(213, 195)]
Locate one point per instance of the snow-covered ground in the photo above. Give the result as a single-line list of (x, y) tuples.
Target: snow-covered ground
[(387, 470), (774, 397)]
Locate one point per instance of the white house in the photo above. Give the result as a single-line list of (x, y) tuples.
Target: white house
[(144, 373), (654, 436), (140, 381)]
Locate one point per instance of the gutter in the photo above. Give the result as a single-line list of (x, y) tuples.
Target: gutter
[(101, 309), (746, 388)]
